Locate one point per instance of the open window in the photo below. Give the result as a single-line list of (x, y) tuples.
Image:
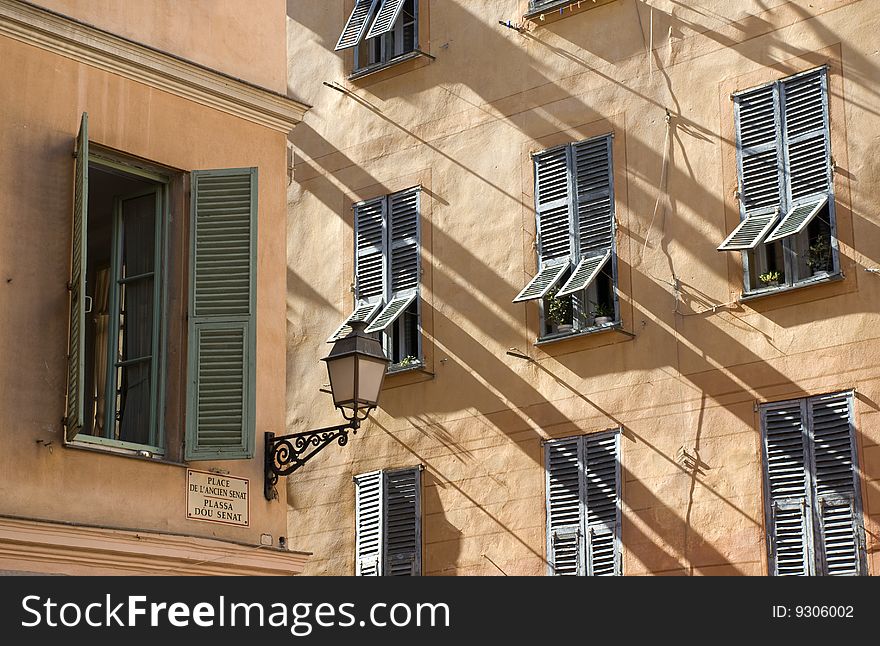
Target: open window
[(381, 32)]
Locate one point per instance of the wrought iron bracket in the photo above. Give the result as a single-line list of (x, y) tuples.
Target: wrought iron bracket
[(287, 453)]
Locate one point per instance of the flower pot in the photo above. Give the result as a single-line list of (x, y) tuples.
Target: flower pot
[(771, 283), (602, 320), (564, 328)]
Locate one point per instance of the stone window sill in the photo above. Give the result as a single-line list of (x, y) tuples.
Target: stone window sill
[(784, 289), (378, 67)]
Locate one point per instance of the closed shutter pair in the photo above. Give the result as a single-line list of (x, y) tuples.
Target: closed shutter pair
[(388, 539), (814, 521), (222, 308), (583, 505), (783, 157), (574, 204), (356, 28), (387, 270)]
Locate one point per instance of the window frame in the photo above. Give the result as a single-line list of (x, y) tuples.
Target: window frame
[(387, 40), (115, 162)]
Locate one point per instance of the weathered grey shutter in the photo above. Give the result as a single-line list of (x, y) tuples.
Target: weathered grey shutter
[(369, 232), (222, 332), (403, 531), (594, 197), (807, 150), (396, 306), (357, 23), (553, 204), (840, 539), (76, 334), (565, 506), (585, 273), (387, 15), (403, 210), (361, 313), (602, 492), (369, 498), (789, 522), (759, 163)]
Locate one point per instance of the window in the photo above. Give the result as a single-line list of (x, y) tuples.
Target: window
[(388, 523), (583, 505), (381, 32), (387, 274), (811, 485), (787, 231), (120, 326), (577, 268)]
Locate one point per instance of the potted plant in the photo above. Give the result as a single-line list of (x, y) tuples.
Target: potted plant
[(819, 258), (408, 361), (557, 311), (602, 314), (770, 279)]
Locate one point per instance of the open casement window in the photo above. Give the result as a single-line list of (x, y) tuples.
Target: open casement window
[(574, 206), (388, 539), (814, 517), (387, 273), (787, 230), (380, 31), (583, 506), (222, 315)]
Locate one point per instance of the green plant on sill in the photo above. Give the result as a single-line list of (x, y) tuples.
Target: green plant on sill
[(820, 255), (771, 277), (408, 361), (601, 309), (557, 308)]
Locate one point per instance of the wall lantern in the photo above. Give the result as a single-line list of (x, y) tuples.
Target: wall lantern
[(357, 366)]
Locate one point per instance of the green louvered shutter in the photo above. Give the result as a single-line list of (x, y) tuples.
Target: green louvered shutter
[(369, 524), (565, 508), (76, 335), (222, 315), (759, 164), (840, 532), (602, 493), (787, 487), (403, 544)]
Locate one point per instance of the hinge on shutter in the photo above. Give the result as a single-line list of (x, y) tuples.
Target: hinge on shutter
[(833, 166), (69, 286), (351, 287)]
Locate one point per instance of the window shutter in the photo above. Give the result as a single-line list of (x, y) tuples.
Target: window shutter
[(542, 282), (387, 15), (403, 545), (75, 357), (758, 144), (369, 230), (565, 506), (369, 498), (594, 196), (787, 485), (222, 332), (836, 485), (553, 204), (404, 240), (585, 273), (602, 495), (362, 313), (797, 219), (356, 25), (808, 155), (387, 316)]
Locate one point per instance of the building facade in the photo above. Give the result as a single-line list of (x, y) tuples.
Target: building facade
[(143, 159), (622, 256)]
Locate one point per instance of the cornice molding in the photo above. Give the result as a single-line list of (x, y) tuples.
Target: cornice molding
[(42, 546), (103, 50)]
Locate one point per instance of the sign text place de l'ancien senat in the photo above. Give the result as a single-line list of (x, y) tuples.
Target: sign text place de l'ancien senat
[(216, 498)]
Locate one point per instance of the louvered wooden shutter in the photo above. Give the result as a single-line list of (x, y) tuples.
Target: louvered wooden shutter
[(369, 498), (807, 149), (356, 25), (553, 204), (403, 211), (789, 517), (594, 199), (370, 250), (222, 333), (565, 506), (386, 16), (403, 545), (840, 539), (602, 508), (76, 334)]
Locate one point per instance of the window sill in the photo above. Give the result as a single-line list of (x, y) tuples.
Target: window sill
[(105, 449), (557, 9), (396, 368), (784, 289), (596, 329), (378, 67)]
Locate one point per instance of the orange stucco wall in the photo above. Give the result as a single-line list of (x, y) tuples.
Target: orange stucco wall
[(245, 40), (41, 478), (695, 363)]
